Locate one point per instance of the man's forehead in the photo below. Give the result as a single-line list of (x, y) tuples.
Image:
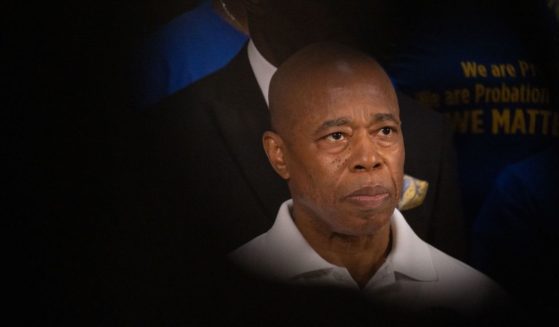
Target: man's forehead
[(367, 90), (343, 76), (348, 120), (338, 95)]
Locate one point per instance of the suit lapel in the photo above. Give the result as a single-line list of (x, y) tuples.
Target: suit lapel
[(241, 115)]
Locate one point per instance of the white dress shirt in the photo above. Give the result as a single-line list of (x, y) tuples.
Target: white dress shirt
[(262, 69), (414, 276)]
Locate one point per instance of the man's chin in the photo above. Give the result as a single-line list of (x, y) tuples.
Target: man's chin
[(368, 222)]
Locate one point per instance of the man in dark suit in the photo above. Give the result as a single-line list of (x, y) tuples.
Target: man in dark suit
[(203, 172)]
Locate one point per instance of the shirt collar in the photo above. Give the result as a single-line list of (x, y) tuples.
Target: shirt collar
[(293, 255), (262, 69), (409, 255)]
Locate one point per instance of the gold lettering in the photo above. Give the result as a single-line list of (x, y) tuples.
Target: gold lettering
[(511, 71), (459, 121), (503, 70), (536, 95), (449, 98), (515, 94), (482, 70), (526, 68), (472, 69), (465, 96), (477, 121), (469, 69), (545, 121), (495, 71), (457, 97), (523, 67), (495, 95), (505, 93), (428, 98), (532, 114), (500, 120), (518, 123), (480, 91)]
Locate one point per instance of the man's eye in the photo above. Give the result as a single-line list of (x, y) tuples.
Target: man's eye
[(386, 131), (337, 136)]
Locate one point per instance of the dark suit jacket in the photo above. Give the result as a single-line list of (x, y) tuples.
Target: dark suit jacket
[(203, 170)]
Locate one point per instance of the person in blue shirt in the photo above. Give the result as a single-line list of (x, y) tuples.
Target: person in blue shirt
[(191, 46), (516, 235)]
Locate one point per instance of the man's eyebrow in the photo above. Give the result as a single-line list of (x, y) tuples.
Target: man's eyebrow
[(384, 117), (333, 123), (345, 121)]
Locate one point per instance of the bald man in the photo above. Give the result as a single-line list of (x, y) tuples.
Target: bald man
[(337, 140), (198, 156)]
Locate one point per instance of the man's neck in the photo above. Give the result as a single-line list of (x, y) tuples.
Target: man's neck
[(361, 255)]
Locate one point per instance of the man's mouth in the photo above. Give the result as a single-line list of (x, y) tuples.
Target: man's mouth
[(369, 196)]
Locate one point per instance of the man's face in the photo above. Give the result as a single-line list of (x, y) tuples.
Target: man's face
[(345, 156)]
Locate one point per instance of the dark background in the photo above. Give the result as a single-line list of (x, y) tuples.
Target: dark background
[(65, 101)]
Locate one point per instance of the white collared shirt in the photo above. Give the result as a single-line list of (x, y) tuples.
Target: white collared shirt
[(415, 275), (262, 69)]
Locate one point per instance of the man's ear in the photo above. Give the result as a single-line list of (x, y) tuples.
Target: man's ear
[(275, 150)]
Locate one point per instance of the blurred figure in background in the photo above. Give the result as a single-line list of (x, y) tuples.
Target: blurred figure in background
[(516, 236), (489, 67), (191, 46)]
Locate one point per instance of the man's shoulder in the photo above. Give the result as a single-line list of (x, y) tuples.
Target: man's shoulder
[(254, 247), (465, 280), (170, 124), (231, 86), (222, 90), (450, 268), (256, 257), (207, 88)]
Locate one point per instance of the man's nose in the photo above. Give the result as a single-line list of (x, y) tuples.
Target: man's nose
[(365, 156)]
